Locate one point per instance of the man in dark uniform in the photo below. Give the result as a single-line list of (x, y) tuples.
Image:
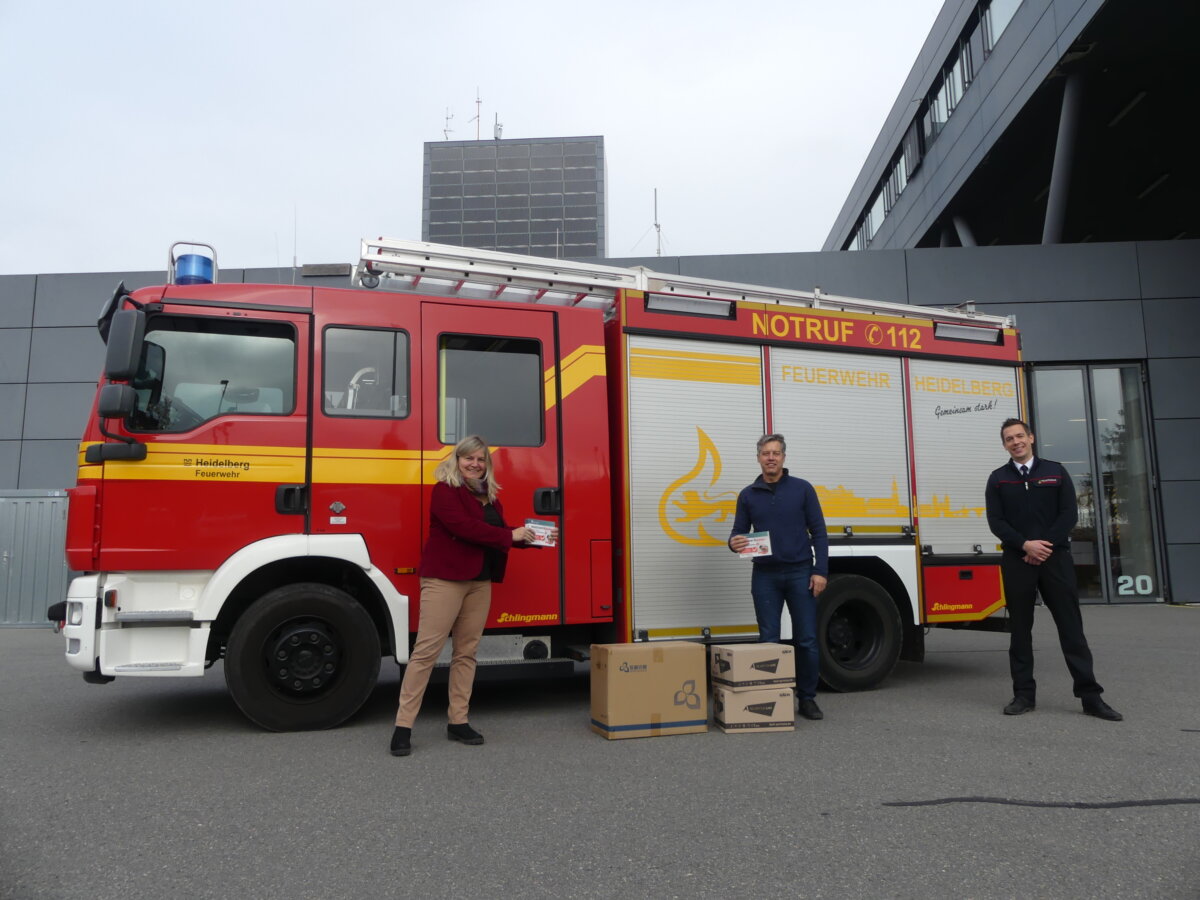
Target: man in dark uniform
[(1031, 509), (797, 569)]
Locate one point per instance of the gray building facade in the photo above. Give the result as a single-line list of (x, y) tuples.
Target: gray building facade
[(539, 196)]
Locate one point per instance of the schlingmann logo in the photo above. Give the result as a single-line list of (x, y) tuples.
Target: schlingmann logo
[(687, 696), (527, 617)]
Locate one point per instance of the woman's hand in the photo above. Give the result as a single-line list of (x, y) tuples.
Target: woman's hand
[(522, 535)]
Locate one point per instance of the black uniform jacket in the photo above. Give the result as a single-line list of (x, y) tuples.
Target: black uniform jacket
[(1037, 507)]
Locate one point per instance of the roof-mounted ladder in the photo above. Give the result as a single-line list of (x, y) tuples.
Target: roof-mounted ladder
[(466, 272)]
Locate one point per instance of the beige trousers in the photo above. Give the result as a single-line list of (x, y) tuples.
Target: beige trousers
[(458, 609)]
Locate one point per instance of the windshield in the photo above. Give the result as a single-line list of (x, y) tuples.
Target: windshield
[(195, 369)]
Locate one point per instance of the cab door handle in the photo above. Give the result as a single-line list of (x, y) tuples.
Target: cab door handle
[(547, 501), (291, 499)]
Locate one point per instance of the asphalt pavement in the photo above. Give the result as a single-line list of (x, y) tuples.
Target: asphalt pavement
[(921, 789)]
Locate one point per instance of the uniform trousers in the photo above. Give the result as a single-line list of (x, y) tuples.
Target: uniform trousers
[(1055, 580), (455, 609)]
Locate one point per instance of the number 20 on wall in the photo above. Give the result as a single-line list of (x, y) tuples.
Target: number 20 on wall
[(1138, 585)]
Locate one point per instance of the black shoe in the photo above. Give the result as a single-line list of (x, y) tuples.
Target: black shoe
[(400, 741), (810, 710), (464, 734), (1019, 705), (1094, 706)]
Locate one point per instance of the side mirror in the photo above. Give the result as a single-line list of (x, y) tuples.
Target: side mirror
[(116, 401), (125, 333)]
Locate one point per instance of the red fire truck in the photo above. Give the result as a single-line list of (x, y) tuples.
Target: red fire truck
[(253, 482)]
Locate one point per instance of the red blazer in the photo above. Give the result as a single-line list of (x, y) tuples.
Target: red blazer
[(458, 535)]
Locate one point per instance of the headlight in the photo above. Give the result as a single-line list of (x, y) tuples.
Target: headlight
[(74, 613)]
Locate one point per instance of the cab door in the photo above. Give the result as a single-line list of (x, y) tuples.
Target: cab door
[(222, 408), (491, 371)]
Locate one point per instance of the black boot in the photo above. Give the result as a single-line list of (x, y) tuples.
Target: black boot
[(464, 734), (400, 741)]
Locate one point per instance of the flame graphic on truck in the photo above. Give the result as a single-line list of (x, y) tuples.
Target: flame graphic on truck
[(689, 503)]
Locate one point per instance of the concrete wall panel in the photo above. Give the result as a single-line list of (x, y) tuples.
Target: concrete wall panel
[(1070, 332), (1173, 387), (10, 462), (14, 355), (1172, 326), (1176, 441), (1180, 500), (16, 300), (66, 354), (76, 299), (1183, 562), (57, 412), (1027, 274), (12, 411), (1168, 268), (49, 465)]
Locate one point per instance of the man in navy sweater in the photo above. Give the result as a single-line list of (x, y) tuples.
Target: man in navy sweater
[(788, 509), (1031, 508)]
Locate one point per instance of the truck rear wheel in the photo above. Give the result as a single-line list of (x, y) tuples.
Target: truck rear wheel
[(859, 633), (302, 657)]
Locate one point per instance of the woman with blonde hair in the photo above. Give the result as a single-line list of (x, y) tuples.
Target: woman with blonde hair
[(466, 552)]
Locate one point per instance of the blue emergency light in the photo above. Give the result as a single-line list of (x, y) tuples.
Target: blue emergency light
[(191, 267)]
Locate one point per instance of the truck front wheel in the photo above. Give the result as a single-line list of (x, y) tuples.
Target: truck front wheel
[(302, 657), (859, 633)]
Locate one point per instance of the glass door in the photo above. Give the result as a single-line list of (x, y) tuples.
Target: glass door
[(1093, 420)]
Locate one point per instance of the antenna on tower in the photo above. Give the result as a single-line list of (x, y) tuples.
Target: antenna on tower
[(497, 128), (657, 227), (478, 108), (446, 129)]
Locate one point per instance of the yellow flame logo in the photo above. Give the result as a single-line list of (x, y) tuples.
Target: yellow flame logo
[(689, 503)]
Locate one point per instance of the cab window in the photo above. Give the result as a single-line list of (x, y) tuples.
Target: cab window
[(490, 386), (196, 369), (366, 373)]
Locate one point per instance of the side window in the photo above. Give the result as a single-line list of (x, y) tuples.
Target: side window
[(195, 369), (492, 387), (366, 373)]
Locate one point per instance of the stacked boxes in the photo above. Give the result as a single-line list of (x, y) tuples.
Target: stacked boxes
[(753, 687), (648, 689)]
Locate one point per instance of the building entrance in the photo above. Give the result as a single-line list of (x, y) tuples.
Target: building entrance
[(1092, 419)]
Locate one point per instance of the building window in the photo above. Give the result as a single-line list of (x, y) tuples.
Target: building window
[(999, 13)]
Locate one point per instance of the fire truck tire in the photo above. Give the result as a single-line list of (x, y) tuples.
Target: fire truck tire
[(859, 633), (302, 657)]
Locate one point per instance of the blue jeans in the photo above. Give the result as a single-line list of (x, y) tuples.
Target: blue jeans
[(771, 588)]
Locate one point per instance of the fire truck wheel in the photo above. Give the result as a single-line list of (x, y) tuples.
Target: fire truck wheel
[(302, 657), (859, 633)]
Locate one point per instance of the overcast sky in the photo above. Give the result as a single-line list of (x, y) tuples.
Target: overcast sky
[(279, 129)]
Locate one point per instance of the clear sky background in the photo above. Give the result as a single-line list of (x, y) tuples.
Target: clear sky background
[(277, 130)]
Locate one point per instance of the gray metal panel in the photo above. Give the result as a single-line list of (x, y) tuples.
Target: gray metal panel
[(66, 354), (16, 300), (1183, 562), (1176, 441), (1061, 332), (1021, 274), (1172, 326), (1173, 385), (77, 299), (54, 411), (14, 355), (33, 568), (1180, 500), (1169, 268), (12, 411), (49, 465), (10, 461)]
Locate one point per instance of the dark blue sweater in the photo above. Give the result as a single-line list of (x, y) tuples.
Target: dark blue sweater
[(790, 511)]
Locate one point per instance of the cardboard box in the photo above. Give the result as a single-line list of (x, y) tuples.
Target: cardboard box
[(648, 689), (765, 709), (752, 666)]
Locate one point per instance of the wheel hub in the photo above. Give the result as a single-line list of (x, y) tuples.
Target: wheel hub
[(303, 657)]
